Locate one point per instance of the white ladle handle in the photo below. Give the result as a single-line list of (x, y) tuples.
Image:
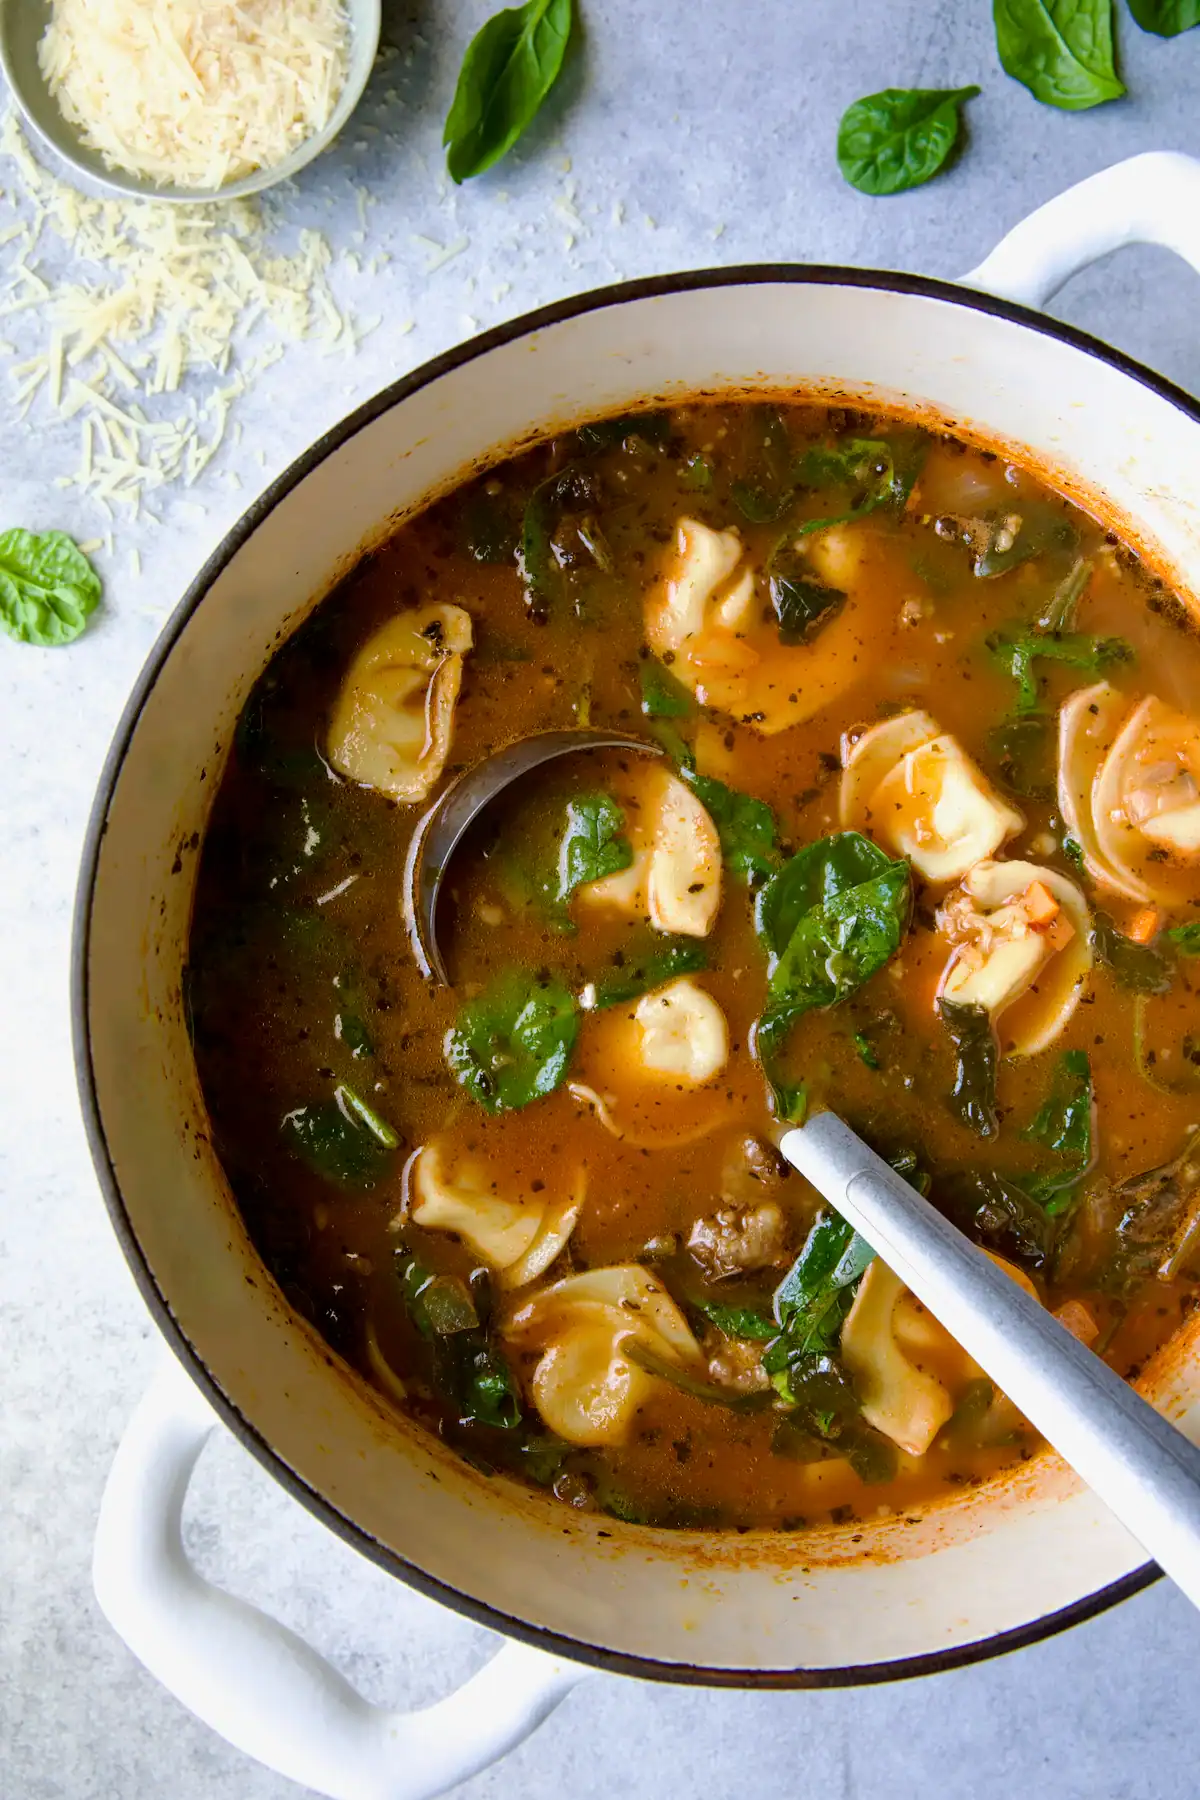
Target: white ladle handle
[(1149, 199), (249, 1677), (1144, 1470)]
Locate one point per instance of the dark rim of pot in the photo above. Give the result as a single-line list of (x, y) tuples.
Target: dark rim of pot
[(617, 1662)]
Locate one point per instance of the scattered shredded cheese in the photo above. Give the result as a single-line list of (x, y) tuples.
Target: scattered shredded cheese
[(195, 93)]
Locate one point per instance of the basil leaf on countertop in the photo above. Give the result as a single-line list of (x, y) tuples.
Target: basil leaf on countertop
[(592, 845), (48, 588), (509, 68), (511, 1044), (1166, 18), (1061, 50), (899, 138)]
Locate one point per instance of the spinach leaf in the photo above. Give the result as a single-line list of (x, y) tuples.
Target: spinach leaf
[(467, 1366), (512, 1043), (739, 1321), (1059, 612), (1166, 18), (746, 827), (48, 588), (573, 491), (876, 472), (994, 1209), (650, 967), (973, 1097), (1061, 50), (826, 1422), (342, 1139), (769, 493), (1014, 537), (897, 139), (663, 697), (1185, 939), (1063, 1123), (1021, 748), (611, 434), (801, 602), (807, 1300), (592, 845), (1019, 652), (487, 528), (710, 1392), (697, 474), (829, 920), (509, 68), (867, 1053), (1140, 968)]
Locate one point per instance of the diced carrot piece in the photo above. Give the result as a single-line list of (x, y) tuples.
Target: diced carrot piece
[(1076, 1319), (1039, 904), (1143, 926), (1060, 931)]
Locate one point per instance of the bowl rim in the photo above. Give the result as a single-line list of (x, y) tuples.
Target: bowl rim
[(366, 25), (331, 440)]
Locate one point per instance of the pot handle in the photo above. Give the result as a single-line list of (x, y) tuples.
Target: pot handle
[(254, 1681), (1149, 199)]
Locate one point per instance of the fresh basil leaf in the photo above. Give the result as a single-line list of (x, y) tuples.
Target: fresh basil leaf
[(512, 1043), (642, 970), (663, 697), (509, 68), (1166, 18), (746, 827), (1185, 939), (1018, 654), (1140, 968), (337, 1145), (592, 845), (972, 1099), (897, 139), (830, 919), (1061, 50), (1064, 1124), (1032, 528), (573, 491), (48, 588), (801, 602)]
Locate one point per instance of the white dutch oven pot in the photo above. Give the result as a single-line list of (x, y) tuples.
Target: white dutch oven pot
[(972, 1577)]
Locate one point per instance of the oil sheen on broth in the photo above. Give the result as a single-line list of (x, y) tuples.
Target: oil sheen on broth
[(919, 838)]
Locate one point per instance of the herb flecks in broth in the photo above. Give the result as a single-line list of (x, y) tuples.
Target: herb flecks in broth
[(924, 845)]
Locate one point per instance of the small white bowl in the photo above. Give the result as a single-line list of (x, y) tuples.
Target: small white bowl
[(22, 23)]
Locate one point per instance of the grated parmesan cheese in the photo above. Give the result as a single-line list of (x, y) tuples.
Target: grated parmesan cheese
[(177, 310), (195, 93)]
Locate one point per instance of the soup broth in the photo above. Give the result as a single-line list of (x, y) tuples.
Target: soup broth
[(914, 833)]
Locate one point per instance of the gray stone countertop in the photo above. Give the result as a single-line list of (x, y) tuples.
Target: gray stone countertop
[(681, 136)]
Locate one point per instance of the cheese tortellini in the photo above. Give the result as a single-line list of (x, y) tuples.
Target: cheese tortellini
[(913, 788), (674, 879), (908, 1369), (583, 1385), (705, 617), (1129, 790), (518, 1236), (651, 1064), (1022, 949), (393, 719)]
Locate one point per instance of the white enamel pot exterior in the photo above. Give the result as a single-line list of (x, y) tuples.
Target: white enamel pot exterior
[(973, 1576)]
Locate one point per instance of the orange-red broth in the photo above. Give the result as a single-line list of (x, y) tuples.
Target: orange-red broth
[(278, 968)]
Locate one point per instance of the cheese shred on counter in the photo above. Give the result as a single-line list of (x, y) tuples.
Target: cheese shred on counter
[(195, 93)]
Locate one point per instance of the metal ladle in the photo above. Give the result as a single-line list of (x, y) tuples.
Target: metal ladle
[(447, 822), (1144, 1470)]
